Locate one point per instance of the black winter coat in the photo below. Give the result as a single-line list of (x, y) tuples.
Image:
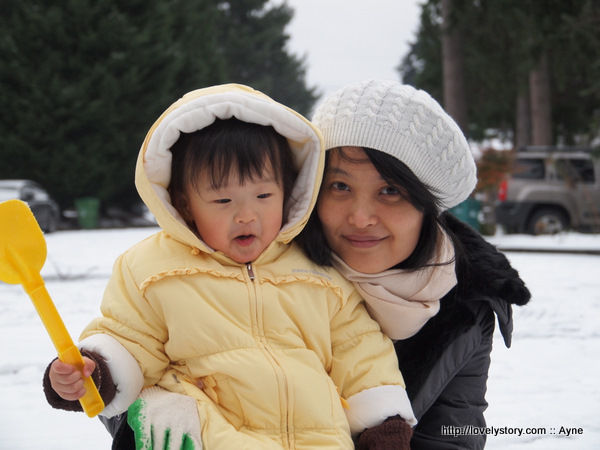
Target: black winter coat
[(445, 365)]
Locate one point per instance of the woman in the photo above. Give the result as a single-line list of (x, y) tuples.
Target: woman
[(395, 163)]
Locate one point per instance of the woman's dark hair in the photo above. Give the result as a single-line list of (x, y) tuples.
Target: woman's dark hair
[(421, 196), (225, 147)]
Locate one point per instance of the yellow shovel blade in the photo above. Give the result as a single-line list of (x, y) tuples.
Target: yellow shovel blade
[(19, 230), (22, 256)]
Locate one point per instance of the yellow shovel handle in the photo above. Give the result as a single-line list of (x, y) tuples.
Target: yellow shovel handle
[(68, 353)]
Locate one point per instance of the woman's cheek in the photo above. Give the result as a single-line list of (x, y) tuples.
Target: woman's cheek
[(327, 210)]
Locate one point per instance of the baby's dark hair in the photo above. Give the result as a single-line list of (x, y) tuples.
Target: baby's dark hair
[(422, 197), (225, 147)]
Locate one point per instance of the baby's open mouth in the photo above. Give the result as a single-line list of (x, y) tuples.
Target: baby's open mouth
[(245, 239)]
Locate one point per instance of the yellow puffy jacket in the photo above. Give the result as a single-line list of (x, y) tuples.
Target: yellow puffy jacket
[(280, 345)]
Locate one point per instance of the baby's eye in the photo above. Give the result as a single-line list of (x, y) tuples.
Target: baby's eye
[(222, 200), (267, 195)]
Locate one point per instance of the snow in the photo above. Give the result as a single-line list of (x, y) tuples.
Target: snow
[(546, 381)]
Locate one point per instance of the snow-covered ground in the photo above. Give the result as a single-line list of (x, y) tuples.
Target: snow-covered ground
[(546, 381)]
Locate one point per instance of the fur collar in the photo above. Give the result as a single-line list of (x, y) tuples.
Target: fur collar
[(484, 277), (485, 271)]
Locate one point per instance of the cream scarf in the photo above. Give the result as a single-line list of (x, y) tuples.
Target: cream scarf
[(402, 301)]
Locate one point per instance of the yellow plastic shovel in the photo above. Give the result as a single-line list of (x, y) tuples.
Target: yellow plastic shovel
[(22, 256)]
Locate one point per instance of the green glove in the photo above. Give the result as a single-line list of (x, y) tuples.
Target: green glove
[(163, 420)]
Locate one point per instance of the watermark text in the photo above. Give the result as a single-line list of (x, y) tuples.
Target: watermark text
[(471, 430)]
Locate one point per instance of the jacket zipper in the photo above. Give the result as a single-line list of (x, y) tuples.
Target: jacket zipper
[(250, 271), (266, 348)]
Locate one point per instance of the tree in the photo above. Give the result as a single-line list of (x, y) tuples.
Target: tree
[(195, 56), (422, 65), (541, 115), (455, 100), (574, 63), (523, 120), (83, 81), (506, 45), (253, 48)]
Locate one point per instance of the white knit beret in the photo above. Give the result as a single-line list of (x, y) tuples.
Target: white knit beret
[(407, 124)]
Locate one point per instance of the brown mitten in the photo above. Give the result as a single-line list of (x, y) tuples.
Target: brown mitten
[(393, 434), (102, 379)]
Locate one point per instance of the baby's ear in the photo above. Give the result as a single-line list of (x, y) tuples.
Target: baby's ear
[(180, 202)]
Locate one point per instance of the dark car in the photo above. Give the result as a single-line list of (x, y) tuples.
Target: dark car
[(45, 210)]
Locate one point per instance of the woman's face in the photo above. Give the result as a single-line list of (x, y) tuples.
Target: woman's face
[(367, 222)]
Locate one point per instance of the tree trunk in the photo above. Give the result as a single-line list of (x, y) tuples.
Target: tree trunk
[(541, 115), (523, 125), (455, 101)]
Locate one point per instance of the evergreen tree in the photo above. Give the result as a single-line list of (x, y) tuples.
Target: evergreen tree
[(453, 65), (504, 41), (197, 60), (80, 83), (253, 47), (83, 80), (422, 65), (575, 69)]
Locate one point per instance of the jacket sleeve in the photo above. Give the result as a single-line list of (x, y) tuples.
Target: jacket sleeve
[(461, 401), (138, 329), (365, 369)]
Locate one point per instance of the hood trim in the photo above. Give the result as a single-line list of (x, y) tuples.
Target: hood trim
[(198, 109)]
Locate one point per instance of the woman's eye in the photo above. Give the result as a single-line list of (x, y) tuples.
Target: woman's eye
[(338, 186), (390, 190)]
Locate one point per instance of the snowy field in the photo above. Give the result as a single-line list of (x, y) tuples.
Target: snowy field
[(544, 385)]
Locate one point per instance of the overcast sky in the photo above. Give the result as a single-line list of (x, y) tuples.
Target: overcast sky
[(349, 40)]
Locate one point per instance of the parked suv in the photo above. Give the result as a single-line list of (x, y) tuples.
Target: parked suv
[(549, 190)]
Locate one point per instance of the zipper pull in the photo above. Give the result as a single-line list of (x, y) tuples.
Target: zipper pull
[(250, 271)]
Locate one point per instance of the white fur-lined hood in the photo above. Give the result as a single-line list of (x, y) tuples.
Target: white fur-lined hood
[(198, 109)]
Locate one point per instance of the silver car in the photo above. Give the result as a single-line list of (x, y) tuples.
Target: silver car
[(551, 189)]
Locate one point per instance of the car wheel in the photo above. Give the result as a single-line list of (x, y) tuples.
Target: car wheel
[(547, 221)]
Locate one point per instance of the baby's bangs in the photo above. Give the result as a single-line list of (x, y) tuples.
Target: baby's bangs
[(246, 158)]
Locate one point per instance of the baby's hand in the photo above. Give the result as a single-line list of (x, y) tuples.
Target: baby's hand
[(67, 381)]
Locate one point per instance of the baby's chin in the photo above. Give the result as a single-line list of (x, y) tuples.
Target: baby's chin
[(245, 249)]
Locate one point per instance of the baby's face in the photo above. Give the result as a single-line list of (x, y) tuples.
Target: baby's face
[(240, 220)]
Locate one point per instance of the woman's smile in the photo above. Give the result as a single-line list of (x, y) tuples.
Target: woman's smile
[(359, 241)]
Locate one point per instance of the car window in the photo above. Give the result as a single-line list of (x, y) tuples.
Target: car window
[(581, 170), (529, 169), (34, 193), (8, 194)]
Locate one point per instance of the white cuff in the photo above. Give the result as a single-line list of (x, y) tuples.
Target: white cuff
[(124, 369), (372, 406)]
